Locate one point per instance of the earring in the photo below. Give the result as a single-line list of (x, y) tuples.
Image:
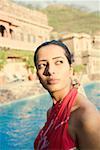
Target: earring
[(75, 82)]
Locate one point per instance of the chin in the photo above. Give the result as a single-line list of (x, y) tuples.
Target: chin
[(54, 88)]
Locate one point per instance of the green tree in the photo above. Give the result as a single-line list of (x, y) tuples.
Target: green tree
[(3, 58)]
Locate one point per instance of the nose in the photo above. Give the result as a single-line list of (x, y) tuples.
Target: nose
[(49, 70)]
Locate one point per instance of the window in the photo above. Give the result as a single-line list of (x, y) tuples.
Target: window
[(22, 36), (2, 30), (12, 33)]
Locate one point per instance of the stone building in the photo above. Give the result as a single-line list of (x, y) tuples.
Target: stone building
[(22, 28), (86, 50)]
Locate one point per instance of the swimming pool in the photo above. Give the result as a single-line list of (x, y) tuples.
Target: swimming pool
[(92, 91), (21, 121)]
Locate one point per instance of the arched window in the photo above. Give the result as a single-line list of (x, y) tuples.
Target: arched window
[(2, 30), (11, 33)]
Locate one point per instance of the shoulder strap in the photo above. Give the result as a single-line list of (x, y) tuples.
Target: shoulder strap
[(72, 100), (67, 104)]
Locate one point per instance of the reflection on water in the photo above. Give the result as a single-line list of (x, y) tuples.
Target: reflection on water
[(93, 92), (21, 121)]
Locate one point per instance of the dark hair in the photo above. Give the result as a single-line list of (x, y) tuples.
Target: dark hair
[(68, 54)]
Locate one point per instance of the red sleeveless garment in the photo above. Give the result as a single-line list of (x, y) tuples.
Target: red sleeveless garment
[(54, 135)]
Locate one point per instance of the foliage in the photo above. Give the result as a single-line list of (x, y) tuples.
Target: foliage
[(27, 56), (3, 57), (65, 18), (29, 63), (79, 68), (70, 19)]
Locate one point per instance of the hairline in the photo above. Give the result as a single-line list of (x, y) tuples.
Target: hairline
[(58, 43), (49, 45)]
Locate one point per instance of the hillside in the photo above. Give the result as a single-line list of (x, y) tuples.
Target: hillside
[(70, 19)]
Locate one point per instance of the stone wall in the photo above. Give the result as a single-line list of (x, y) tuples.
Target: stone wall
[(23, 12), (22, 28), (20, 90), (86, 50)]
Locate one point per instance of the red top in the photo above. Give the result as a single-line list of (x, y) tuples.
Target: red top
[(54, 135)]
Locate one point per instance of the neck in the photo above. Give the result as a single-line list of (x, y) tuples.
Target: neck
[(60, 94)]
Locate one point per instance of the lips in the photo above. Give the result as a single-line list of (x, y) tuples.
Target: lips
[(52, 81)]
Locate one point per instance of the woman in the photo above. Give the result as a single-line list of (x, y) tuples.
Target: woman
[(73, 121)]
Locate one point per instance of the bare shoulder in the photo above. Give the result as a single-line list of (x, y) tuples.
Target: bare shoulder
[(88, 109), (88, 132)]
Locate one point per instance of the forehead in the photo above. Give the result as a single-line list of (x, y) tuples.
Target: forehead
[(50, 51)]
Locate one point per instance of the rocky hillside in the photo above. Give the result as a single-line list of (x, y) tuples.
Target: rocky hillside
[(70, 19)]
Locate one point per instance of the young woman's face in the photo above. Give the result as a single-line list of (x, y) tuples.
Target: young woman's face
[(53, 68)]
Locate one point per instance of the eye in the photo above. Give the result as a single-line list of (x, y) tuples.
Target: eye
[(40, 66), (58, 62)]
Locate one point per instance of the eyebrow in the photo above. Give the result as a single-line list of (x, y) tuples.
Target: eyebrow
[(58, 57), (52, 58)]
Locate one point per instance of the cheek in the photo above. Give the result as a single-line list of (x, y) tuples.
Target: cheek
[(65, 73), (42, 80), (65, 78), (40, 76)]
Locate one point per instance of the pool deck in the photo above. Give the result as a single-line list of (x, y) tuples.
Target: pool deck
[(18, 90), (21, 89)]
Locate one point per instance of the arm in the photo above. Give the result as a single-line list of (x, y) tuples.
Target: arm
[(88, 133)]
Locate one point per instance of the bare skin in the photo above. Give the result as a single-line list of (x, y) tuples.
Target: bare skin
[(54, 73), (84, 124)]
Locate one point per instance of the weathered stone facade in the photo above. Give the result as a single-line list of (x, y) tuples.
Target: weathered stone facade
[(22, 28), (86, 50)]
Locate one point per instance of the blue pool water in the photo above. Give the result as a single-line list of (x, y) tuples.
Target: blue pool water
[(93, 93), (20, 121)]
